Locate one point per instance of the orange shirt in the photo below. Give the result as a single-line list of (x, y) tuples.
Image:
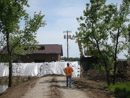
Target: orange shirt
[(68, 71)]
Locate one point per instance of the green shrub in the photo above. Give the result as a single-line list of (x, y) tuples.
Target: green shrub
[(121, 90)]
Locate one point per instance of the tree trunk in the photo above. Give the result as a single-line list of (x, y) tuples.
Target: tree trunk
[(115, 57), (114, 76), (10, 72), (105, 64), (81, 67), (107, 74), (108, 77), (104, 60), (10, 60)]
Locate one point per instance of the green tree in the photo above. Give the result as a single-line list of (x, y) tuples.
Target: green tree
[(128, 40), (119, 32), (100, 25), (70, 59), (94, 27), (12, 13)]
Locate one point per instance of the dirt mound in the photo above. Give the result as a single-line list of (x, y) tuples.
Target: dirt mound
[(94, 89), (19, 90)]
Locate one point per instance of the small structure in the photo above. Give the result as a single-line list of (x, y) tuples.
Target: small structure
[(45, 53)]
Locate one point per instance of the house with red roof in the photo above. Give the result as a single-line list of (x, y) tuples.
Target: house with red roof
[(45, 53)]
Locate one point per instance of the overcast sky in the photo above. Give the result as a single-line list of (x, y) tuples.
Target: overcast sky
[(60, 15)]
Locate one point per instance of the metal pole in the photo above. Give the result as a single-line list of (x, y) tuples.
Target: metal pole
[(67, 46), (67, 38)]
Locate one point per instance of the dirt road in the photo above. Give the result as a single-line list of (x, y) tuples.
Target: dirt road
[(54, 87)]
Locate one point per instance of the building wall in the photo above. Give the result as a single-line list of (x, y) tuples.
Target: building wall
[(59, 57), (38, 58)]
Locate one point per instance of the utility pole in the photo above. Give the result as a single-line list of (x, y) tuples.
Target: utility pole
[(67, 37)]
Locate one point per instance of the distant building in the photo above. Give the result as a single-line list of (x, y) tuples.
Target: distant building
[(45, 53)]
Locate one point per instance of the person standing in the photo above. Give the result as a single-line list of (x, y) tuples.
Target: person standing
[(68, 71)]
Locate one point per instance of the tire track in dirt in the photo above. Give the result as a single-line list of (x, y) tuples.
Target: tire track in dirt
[(55, 92), (67, 92), (46, 87), (54, 87)]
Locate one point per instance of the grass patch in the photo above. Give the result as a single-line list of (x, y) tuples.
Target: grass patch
[(121, 90)]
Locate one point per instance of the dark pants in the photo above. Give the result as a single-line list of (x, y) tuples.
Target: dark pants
[(68, 79)]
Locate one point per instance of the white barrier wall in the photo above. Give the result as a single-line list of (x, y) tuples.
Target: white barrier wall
[(39, 69)]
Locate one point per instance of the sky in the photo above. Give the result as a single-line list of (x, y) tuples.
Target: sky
[(60, 16)]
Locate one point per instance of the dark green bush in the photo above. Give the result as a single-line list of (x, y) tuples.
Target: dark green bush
[(121, 90)]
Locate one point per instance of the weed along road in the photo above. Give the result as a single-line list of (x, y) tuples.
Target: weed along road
[(54, 87)]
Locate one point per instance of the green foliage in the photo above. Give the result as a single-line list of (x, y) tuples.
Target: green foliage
[(94, 25), (121, 90), (107, 26), (94, 29), (15, 38), (128, 58), (119, 28), (12, 13), (100, 67), (70, 59)]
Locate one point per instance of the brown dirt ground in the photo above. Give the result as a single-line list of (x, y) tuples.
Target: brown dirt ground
[(18, 90), (92, 88)]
